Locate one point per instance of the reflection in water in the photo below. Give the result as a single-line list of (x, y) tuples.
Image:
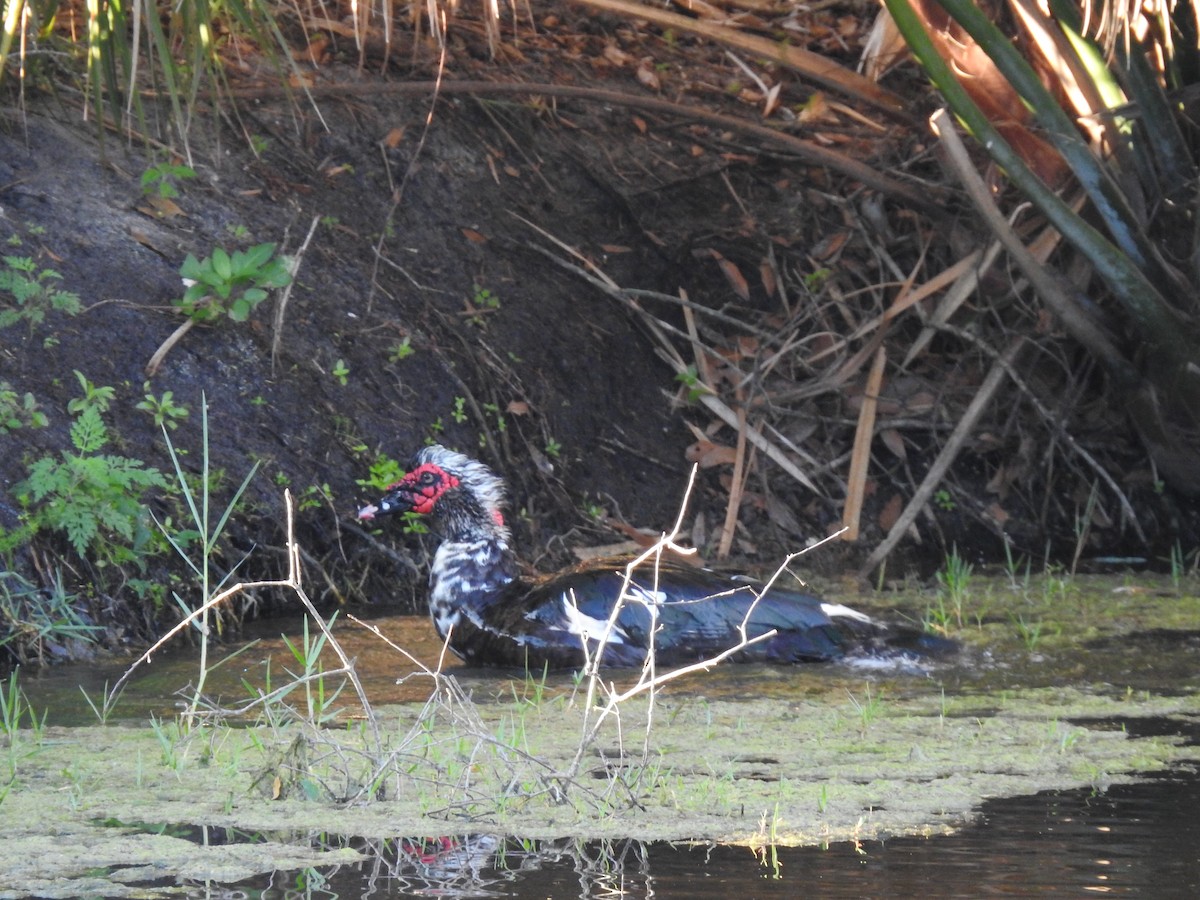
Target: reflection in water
[(1136, 839)]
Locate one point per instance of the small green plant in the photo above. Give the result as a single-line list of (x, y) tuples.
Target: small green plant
[(382, 474), (163, 180), (166, 412), (484, 298), (814, 281), (954, 580), (1178, 560), (97, 398), (944, 500), (460, 411), (98, 501), (34, 293), (13, 706), (1029, 632), (318, 698), (402, 350), (1013, 565), (32, 617), (237, 232), (313, 496), (341, 372), (204, 535), (231, 284), (690, 379), (18, 410), (553, 448), (868, 709), (15, 715)]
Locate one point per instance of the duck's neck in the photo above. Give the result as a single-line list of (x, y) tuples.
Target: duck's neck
[(467, 576)]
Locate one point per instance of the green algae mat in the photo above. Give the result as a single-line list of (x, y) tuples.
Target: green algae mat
[(751, 756)]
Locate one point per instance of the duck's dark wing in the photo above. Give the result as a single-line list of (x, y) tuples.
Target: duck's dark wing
[(691, 613)]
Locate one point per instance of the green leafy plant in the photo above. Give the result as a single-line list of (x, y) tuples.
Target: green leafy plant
[(163, 179), (224, 284), (402, 350), (313, 496), (481, 300), (97, 398), (954, 579), (33, 292), (485, 299), (231, 284), (18, 410), (166, 412), (690, 379), (98, 501), (381, 474), (341, 372)]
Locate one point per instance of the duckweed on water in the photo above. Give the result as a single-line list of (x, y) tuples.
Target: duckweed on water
[(750, 756), (808, 772)]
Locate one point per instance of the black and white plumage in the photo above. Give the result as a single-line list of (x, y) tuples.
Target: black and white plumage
[(496, 617)]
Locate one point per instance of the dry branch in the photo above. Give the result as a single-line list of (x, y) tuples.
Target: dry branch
[(941, 465)]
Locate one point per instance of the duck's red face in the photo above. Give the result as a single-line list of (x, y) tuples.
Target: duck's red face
[(418, 491)]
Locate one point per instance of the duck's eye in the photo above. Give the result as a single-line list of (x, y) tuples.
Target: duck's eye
[(427, 479)]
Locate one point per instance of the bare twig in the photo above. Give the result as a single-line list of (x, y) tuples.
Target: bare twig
[(981, 401), (281, 306)]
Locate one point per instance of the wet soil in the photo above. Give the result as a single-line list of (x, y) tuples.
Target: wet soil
[(548, 381)]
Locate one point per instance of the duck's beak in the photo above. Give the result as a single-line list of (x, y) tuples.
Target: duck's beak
[(398, 499)]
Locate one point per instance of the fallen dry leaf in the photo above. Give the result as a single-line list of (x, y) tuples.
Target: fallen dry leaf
[(890, 513), (706, 454), (733, 275), (160, 208), (893, 440), (766, 273), (647, 75), (616, 56)]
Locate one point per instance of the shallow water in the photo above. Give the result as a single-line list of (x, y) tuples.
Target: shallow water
[(1134, 840), (1138, 838)]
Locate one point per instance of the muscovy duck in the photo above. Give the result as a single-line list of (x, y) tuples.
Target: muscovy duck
[(496, 617)]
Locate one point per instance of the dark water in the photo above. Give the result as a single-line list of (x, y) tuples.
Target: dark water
[(1134, 840), (1140, 840)]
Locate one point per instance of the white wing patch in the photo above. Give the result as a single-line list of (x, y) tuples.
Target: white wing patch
[(836, 609), (585, 626), (645, 595)]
